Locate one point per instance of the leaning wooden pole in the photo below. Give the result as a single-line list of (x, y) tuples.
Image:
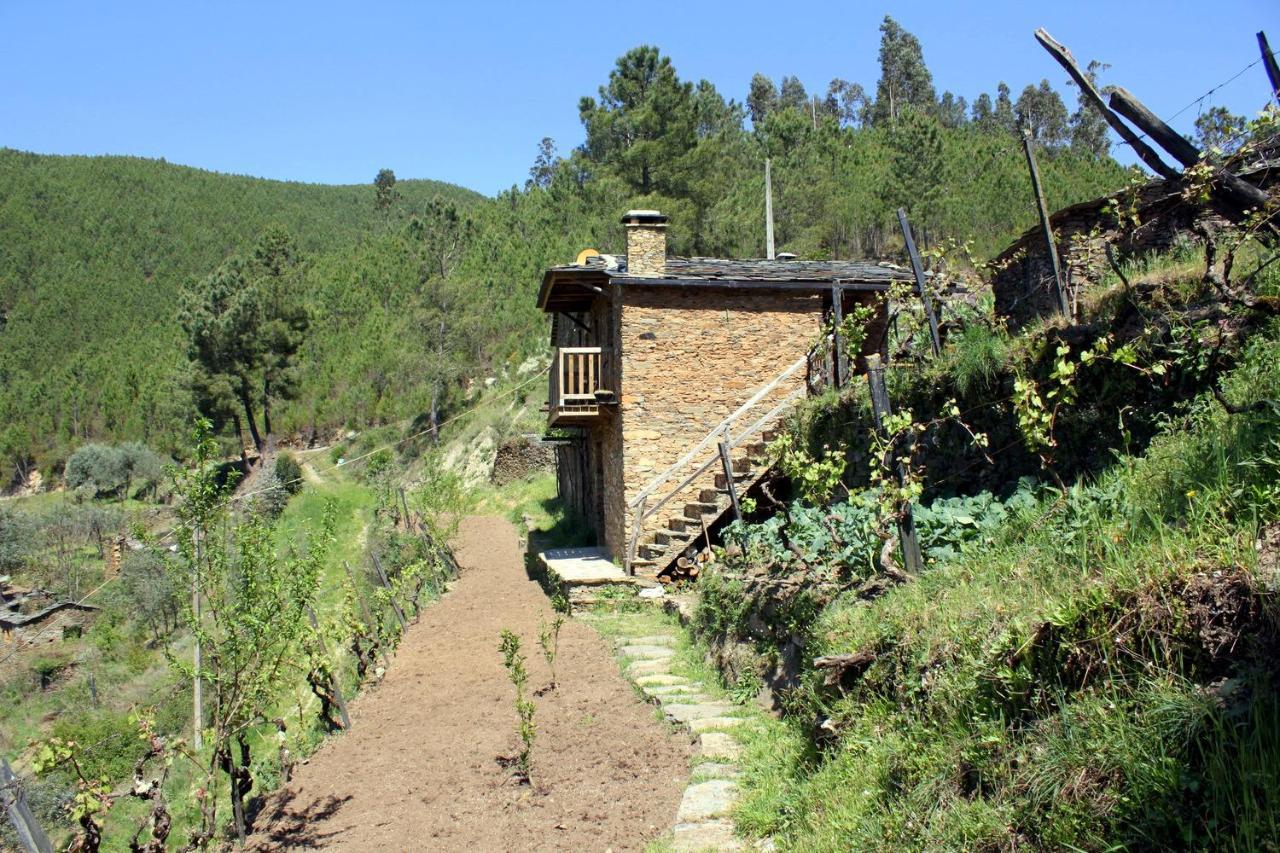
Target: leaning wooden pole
[(768, 211), (1145, 152), (912, 559), (917, 269), (1235, 189), (1269, 63), (1046, 225)]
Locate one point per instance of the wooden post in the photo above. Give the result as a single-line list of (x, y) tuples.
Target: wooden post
[(837, 319), (30, 835), (382, 576), (912, 559), (728, 479), (635, 535), (1269, 63), (1059, 289), (333, 676), (768, 210), (917, 269), (1239, 192), (1144, 151), (404, 504)]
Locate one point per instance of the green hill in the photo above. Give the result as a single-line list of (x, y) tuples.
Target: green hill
[(92, 255)]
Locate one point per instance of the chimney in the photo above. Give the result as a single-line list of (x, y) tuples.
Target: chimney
[(646, 243)]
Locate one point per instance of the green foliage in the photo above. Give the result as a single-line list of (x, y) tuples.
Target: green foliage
[(15, 539), (976, 356), (289, 473), (816, 477), (549, 640), (514, 661)]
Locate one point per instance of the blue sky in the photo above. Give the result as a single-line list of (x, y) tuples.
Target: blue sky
[(463, 91)]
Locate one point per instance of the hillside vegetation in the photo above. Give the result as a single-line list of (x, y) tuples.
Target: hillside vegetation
[(412, 290)]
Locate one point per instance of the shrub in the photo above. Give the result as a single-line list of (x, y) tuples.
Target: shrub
[(98, 469), (289, 473), (976, 356), (15, 538)]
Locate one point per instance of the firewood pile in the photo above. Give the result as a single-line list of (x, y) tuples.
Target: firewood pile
[(686, 568)]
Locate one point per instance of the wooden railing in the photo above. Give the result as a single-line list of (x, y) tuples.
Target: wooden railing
[(577, 373)]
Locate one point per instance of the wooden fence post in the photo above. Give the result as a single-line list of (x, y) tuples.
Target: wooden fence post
[(30, 835), (917, 269), (837, 347), (333, 676), (728, 479), (912, 559), (1059, 287), (382, 576)]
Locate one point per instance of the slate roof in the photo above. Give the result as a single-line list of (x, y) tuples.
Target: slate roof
[(573, 281)]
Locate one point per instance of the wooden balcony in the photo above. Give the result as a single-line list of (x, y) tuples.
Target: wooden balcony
[(577, 374)]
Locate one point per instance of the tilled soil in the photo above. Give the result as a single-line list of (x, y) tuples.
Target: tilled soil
[(420, 768)]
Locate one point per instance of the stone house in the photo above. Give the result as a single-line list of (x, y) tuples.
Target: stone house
[(659, 360)]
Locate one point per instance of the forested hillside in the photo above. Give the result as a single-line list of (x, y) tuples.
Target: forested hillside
[(400, 294)]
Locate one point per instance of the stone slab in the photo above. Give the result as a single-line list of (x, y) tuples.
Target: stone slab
[(656, 666), (661, 680), (715, 770), (649, 640), (646, 652), (583, 566), (683, 712), (711, 724), (714, 835), (705, 800), (719, 745), (676, 691)]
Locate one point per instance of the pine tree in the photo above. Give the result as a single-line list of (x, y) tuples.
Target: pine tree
[(793, 95), (644, 123), (1040, 109), (1218, 130)]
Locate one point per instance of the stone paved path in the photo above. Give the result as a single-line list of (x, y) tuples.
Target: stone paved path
[(702, 820)]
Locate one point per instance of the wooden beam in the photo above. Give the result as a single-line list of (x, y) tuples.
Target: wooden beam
[(728, 480), (1236, 190), (837, 346), (1059, 286), (1269, 62), (917, 269), (1145, 152)]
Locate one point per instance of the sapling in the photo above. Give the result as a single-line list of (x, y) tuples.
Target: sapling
[(549, 639), (514, 661)]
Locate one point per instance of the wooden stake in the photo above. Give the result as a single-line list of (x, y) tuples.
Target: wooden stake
[(917, 270), (382, 576), (1269, 63), (912, 559), (1059, 288), (837, 318), (728, 479)]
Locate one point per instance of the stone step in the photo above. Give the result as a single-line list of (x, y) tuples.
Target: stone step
[(646, 640), (695, 511), (644, 567), (661, 680), (681, 525), (646, 652), (683, 712), (701, 836), (670, 537), (705, 800), (719, 746), (712, 724), (652, 552)]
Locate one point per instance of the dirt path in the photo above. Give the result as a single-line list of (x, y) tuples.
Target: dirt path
[(419, 768)]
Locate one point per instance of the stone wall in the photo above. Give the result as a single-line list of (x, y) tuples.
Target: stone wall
[(1023, 278), (517, 458), (689, 359)]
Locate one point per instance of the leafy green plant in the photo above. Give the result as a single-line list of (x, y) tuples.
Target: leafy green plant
[(549, 639), (289, 473), (514, 661)]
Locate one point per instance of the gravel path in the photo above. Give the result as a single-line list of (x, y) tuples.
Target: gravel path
[(419, 768)]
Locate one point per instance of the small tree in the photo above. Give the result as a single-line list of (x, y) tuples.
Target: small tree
[(248, 616), (97, 469)]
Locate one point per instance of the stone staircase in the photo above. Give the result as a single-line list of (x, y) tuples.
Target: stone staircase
[(677, 532)]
